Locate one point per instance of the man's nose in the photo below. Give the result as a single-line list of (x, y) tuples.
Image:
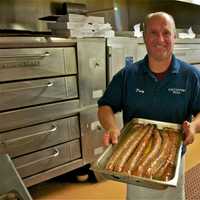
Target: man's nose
[(160, 37)]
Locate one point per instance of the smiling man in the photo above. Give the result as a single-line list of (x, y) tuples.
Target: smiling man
[(159, 87)]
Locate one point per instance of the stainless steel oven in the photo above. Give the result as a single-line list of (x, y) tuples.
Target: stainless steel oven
[(47, 87)]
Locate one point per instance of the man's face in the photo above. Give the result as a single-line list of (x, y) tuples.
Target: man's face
[(159, 38)]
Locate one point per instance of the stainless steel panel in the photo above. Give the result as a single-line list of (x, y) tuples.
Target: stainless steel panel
[(92, 69), (37, 92), (92, 135), (28, 116), (188, 52), (56, 171), (71, 87), (141, 51), (10, 179), (70, 60), (13, 42), (120, 48), (46, 159), (29, 139), (27, 63)]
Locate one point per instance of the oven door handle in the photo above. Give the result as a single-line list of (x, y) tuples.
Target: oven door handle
[(55, 154), (50, 131), (43, 55), (49, 84)]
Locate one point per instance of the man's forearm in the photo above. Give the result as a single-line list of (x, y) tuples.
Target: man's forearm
[(107, 118)]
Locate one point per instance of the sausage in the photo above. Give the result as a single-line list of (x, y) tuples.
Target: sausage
[(147, 150), (170, 162), (142, 166), (130, 148), (159, 161), (169, 172), (131, 164), (133, 132)]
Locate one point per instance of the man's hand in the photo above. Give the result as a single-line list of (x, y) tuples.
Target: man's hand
[(189, 132), (111, 136)]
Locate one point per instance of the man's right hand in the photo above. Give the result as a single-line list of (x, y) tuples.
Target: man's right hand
[(111, 136)]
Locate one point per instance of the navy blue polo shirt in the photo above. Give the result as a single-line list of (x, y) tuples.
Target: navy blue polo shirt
[(137, 92)]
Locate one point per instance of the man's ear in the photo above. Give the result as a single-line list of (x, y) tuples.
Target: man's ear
[(143, 34), (175, 35)]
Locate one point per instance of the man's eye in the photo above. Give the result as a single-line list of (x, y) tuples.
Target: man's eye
[(153, 33), (167, 33)]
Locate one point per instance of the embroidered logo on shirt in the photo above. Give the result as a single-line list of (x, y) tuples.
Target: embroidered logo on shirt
[(139, 91), (177, 90)]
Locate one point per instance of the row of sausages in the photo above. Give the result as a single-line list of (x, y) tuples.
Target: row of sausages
[(146, 151)]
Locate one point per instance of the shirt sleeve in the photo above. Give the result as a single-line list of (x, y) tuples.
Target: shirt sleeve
[(196, 95), (114, 93)]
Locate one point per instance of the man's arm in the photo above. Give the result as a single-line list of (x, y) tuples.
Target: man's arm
[(190, 129), (109, 123)]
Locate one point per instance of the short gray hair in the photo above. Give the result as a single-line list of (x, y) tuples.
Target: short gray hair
[(161, 14)]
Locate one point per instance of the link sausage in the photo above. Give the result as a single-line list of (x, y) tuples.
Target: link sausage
[(160, 160), (130, 148), (174, 140), (131, 164), (143, 165), (120, 147)]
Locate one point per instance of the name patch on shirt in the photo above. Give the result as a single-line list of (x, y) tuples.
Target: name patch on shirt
[(137, 90), (176, 90)]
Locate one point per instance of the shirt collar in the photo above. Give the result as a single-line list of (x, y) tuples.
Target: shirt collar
[(174, 69)]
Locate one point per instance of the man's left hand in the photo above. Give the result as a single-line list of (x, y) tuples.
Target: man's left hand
[(189, 132)]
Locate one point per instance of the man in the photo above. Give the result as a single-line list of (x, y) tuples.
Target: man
[(159, 87)]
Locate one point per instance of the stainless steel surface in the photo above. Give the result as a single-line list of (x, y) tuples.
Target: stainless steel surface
[(92, 135), (36, 92), (40, 85), (99, 165), (30, 139), (26, 63), (121, 49), (10, 180), (78, 8), (39, 161), (53, 172), (92, 69), (37, 114), (31, 41), (23, 14)]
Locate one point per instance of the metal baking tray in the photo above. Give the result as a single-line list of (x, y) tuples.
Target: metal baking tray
[(99, 165)]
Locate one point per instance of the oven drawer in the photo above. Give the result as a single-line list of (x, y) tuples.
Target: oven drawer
[(46, 159), (27, 93), (33, 138), (33, 115), (16, 64)]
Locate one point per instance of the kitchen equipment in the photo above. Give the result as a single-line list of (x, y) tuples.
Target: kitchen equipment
[(49, 90)]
